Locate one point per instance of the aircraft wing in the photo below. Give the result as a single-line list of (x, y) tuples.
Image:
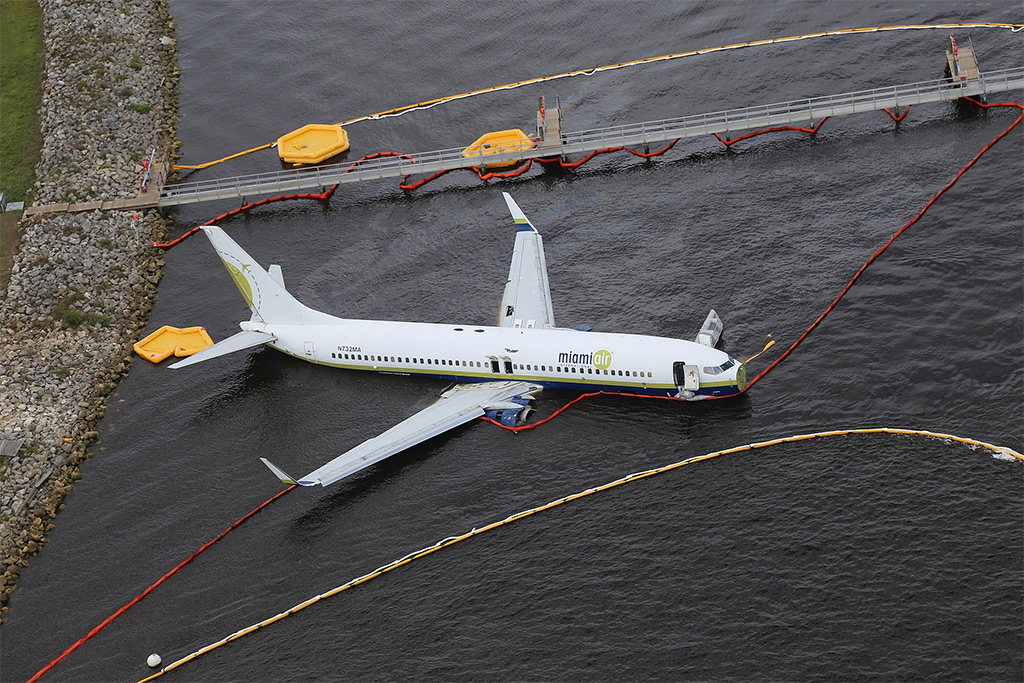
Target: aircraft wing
[(527, 301), (455, 407)]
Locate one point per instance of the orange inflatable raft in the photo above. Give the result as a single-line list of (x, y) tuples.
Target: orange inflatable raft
[(312, 143), (497, 142), (173, 340)]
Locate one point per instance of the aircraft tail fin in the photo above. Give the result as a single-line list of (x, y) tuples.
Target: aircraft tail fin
[(265, 294)]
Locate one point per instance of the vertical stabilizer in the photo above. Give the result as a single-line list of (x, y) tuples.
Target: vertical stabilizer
[(269, 301)]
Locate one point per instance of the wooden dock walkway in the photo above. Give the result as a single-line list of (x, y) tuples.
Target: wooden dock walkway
[(726, 123), (145, 200)]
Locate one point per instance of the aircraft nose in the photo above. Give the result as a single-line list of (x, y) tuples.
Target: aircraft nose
[(741, 377)]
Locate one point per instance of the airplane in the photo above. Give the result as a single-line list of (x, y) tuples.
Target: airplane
[(497, 370)]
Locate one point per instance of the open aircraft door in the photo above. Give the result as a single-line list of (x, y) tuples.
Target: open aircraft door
[(687, 377)]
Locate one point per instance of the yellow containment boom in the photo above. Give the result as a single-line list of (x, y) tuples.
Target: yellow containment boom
[(312, 143), (497, 142), (173, 340)]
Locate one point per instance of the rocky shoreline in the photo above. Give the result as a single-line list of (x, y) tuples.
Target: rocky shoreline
[(82, 285)]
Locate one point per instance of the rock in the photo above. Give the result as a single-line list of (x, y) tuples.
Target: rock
[(63, 279)]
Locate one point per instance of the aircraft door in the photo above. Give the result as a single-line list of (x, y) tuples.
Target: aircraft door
[(309, 350), (687, 377)]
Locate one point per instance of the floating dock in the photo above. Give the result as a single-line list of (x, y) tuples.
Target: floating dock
[(727, 123), (639, 134)]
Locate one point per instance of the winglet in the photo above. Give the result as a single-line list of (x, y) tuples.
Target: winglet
[(522, 222), (280, 474)]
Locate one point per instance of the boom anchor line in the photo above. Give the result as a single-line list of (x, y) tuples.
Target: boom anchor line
[(1000, 452)]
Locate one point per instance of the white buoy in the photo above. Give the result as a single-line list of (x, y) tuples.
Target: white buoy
[(154, 660)]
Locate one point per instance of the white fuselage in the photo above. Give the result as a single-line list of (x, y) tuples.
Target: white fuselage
[(557, 358)]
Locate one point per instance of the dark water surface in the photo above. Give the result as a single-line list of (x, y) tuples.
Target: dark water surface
[(869, 557)]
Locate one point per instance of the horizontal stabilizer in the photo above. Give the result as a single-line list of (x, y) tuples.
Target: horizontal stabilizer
[(243, 340)]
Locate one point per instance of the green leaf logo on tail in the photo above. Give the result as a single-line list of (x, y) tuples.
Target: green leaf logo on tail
[(240, 281)]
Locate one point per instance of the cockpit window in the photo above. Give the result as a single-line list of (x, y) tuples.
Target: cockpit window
[(719, 369)]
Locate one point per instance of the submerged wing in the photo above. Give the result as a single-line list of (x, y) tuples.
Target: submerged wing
[(527, 301), (455, 407)]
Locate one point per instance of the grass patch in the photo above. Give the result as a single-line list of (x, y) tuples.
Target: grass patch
[(10, 236), (21, 72), (141, 108), (68, 315)]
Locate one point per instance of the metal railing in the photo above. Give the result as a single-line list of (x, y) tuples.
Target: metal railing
[(777, 114)]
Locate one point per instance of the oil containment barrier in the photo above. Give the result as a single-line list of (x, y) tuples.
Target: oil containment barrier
[(1000, 452), (427, 104), (106, 622)]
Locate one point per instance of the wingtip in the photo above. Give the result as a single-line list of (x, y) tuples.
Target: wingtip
[(280, 474), (520, 219)]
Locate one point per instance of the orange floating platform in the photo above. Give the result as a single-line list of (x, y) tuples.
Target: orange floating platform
[(173, 340), (312, 143), (499, 141)]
